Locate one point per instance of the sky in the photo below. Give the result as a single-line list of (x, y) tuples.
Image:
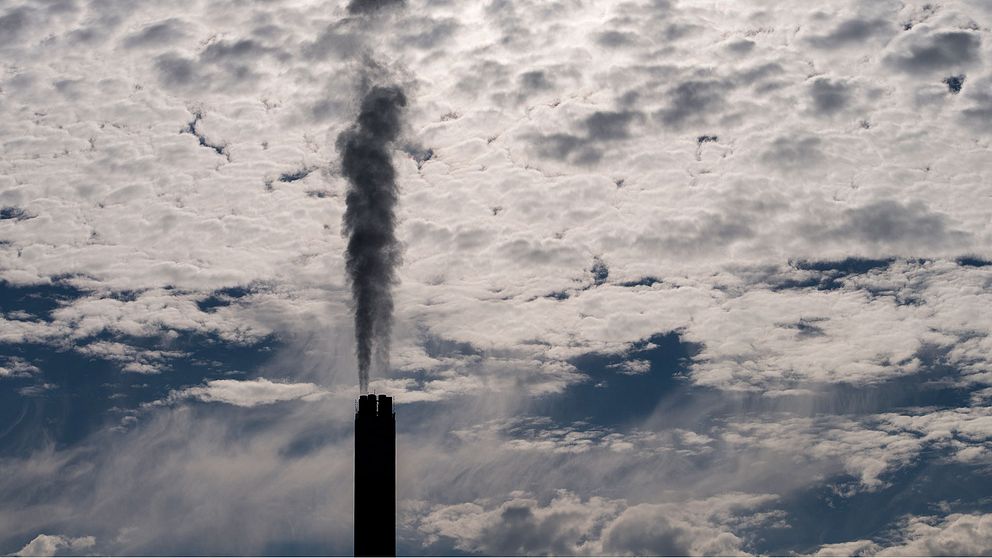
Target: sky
[(677, 276)]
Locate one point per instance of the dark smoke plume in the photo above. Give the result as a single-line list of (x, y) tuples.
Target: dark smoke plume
[(370, 222)]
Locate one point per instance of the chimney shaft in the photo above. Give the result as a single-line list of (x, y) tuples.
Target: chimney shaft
[(375, 477)]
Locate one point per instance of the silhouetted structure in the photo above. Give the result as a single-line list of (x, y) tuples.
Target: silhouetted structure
[(375, 477)]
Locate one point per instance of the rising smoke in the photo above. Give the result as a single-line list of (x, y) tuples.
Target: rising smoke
[(370, 222)]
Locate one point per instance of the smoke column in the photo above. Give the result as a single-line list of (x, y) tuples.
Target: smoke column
[(370, 222)]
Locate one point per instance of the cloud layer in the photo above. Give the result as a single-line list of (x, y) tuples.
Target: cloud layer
[(677, 276)]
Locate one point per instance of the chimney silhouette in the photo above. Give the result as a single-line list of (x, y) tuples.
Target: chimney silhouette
[(375, 477)]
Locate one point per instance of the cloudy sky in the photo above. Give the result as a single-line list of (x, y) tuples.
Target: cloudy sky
[(678, 277)]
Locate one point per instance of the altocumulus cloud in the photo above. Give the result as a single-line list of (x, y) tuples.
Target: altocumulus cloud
[(732, 260)]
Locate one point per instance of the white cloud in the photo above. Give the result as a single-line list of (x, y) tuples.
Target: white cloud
[(954, 535), (540, 434), (569, 525), (52, 545), (154, 155), (248, 393), (957, 534), (132, 359), (490, 226), (852, 548), (17, 367), (632, 367)]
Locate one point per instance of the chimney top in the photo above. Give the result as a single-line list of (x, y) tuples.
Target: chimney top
[(375, 405)]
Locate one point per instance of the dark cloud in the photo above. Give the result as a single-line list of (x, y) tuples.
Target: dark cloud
[(514, 29), (222, 64), (371, 6), (979, 115), (84, 35), (13, 25), (614, 38), (629, 98), (323, 109), (269, 31), (483, 76), (696, 234), (829, 96), (156, 34), (938, 51), (793, 152), (660, 5), (518, 532), (852, 31), (645, 534), (535, 80), (602, 125), (429, 33), (223, 51), (693, 101), (61, 6), (567, 147), (523, 527), (710, 231), (337, 39), (176, 71), (370, 222), (676, 31), (760, 73), (910, 224), (741, 46)]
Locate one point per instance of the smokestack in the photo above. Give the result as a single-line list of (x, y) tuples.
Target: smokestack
[(375, 476)]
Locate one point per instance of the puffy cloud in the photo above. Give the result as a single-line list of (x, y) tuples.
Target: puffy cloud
[(851, 32), (654, 529), (132, 359), (52, 545), (371, 6), (693, 101), (567, 525), (161, 158), (540, 434), (799, 152), (945, 51), (829, 96), (952, 535), (276, 463), (17, 367), (851, 548), (14, 23), (157, 34)]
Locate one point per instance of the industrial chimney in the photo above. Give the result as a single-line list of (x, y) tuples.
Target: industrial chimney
[(375, 477)]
